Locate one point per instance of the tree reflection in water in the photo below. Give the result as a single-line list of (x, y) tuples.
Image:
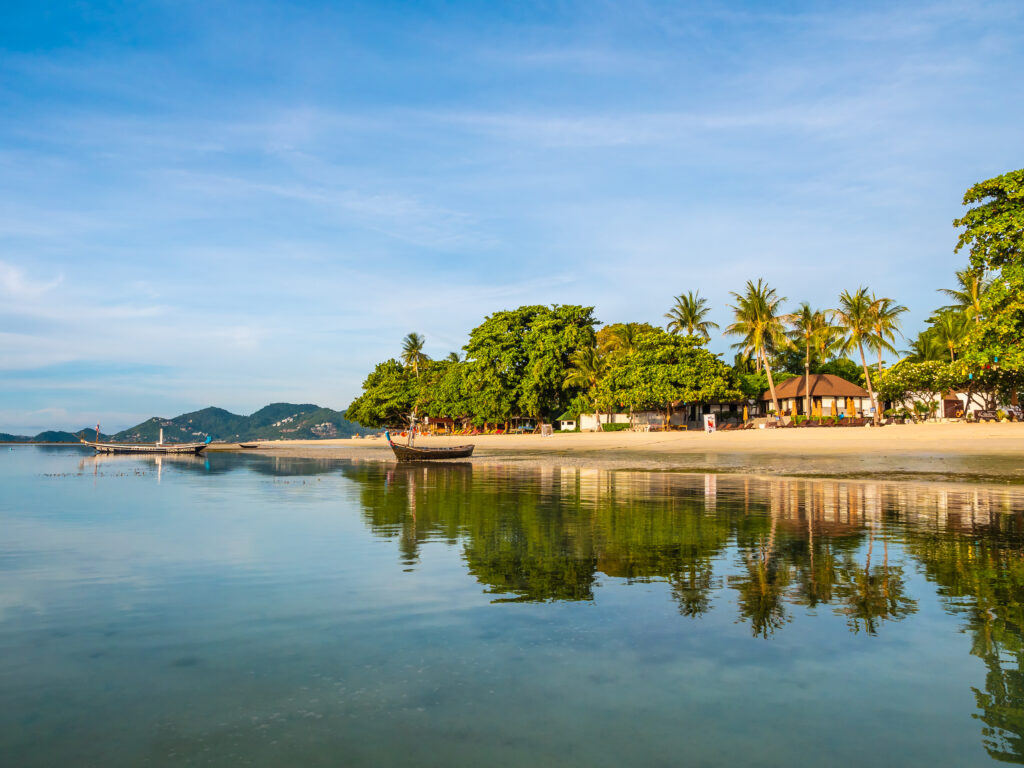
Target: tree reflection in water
[(775, 545)]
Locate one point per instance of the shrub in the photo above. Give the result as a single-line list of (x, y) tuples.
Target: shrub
[(614, 427), (1001, 414)]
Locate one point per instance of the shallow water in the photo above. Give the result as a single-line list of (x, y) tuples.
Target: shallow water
[(251, 610)]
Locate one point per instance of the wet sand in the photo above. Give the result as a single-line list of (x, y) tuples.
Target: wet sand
[(930, 452)]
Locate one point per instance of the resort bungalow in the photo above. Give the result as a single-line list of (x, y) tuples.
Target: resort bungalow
[(828, 392)]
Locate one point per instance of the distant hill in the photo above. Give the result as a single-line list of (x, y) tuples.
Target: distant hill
[(53, 436), (277, 421)]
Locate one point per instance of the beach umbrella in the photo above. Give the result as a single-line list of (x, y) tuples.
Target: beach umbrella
[(833, 409), (745, 414), (849, 407)]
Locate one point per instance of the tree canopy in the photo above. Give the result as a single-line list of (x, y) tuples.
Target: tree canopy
[(664, 368), (994, 227), (517, 360)]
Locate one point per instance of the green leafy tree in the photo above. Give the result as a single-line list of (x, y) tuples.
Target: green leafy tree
[(760, 326), (518, 360), (994, 227), (688, 316), (993, 231), (844, 368), (388, 397), (443, 392), (664, 368), (620, 338), (908, 381)]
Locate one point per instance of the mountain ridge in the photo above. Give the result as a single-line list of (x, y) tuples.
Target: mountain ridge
[(276, 421)]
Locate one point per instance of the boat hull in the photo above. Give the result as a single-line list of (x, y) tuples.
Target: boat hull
[(405, 453), (186, 448)]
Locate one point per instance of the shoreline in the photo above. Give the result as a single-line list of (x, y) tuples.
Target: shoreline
[(940, 452)]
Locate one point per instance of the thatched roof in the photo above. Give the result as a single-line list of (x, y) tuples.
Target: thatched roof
[(822, 385)]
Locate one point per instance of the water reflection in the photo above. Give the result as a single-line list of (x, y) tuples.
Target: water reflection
[(550, 615), (776, 545)]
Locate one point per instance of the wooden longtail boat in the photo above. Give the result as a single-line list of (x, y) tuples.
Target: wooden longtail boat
[(161, 447), (412, 453), (192, 448)]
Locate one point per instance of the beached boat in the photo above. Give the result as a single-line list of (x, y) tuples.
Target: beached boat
[(413, 453), (167, 448), (160, 447)]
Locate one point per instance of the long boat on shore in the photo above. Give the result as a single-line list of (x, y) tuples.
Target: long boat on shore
[(166, 448), (413, 453), (160, 447)]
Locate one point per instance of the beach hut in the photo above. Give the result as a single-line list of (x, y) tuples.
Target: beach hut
[(827, 392)]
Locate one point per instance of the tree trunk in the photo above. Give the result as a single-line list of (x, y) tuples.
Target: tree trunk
[(867, 380), (879, 359), (597, 412), (807, 382), (771, 383)]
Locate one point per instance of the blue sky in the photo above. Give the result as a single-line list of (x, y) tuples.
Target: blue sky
[(237, 203)]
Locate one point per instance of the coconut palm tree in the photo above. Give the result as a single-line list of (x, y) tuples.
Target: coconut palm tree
[(885, 325), (811, 329), (759, 325), (687, 316), (971, 286), (624, 337), (412, 352), (453, 357), (587, 369), (856, 316), (950, 329), (924, 348)]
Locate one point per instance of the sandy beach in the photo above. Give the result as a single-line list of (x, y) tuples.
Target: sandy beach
[(941, 451)]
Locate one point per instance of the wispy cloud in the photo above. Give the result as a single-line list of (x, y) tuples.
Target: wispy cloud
[(15, 284)]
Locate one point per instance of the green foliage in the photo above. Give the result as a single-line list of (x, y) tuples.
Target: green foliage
[(518, 360), (755, 383), (907, 381), (615, 427), (759, 325), (688, 316), (844, 368), (388, 396), (665, 368), (412, 352), (997, 338), (620, 338), (994, 228), (442, 390)]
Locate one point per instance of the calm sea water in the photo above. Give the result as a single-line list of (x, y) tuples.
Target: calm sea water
[(245, 610)]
